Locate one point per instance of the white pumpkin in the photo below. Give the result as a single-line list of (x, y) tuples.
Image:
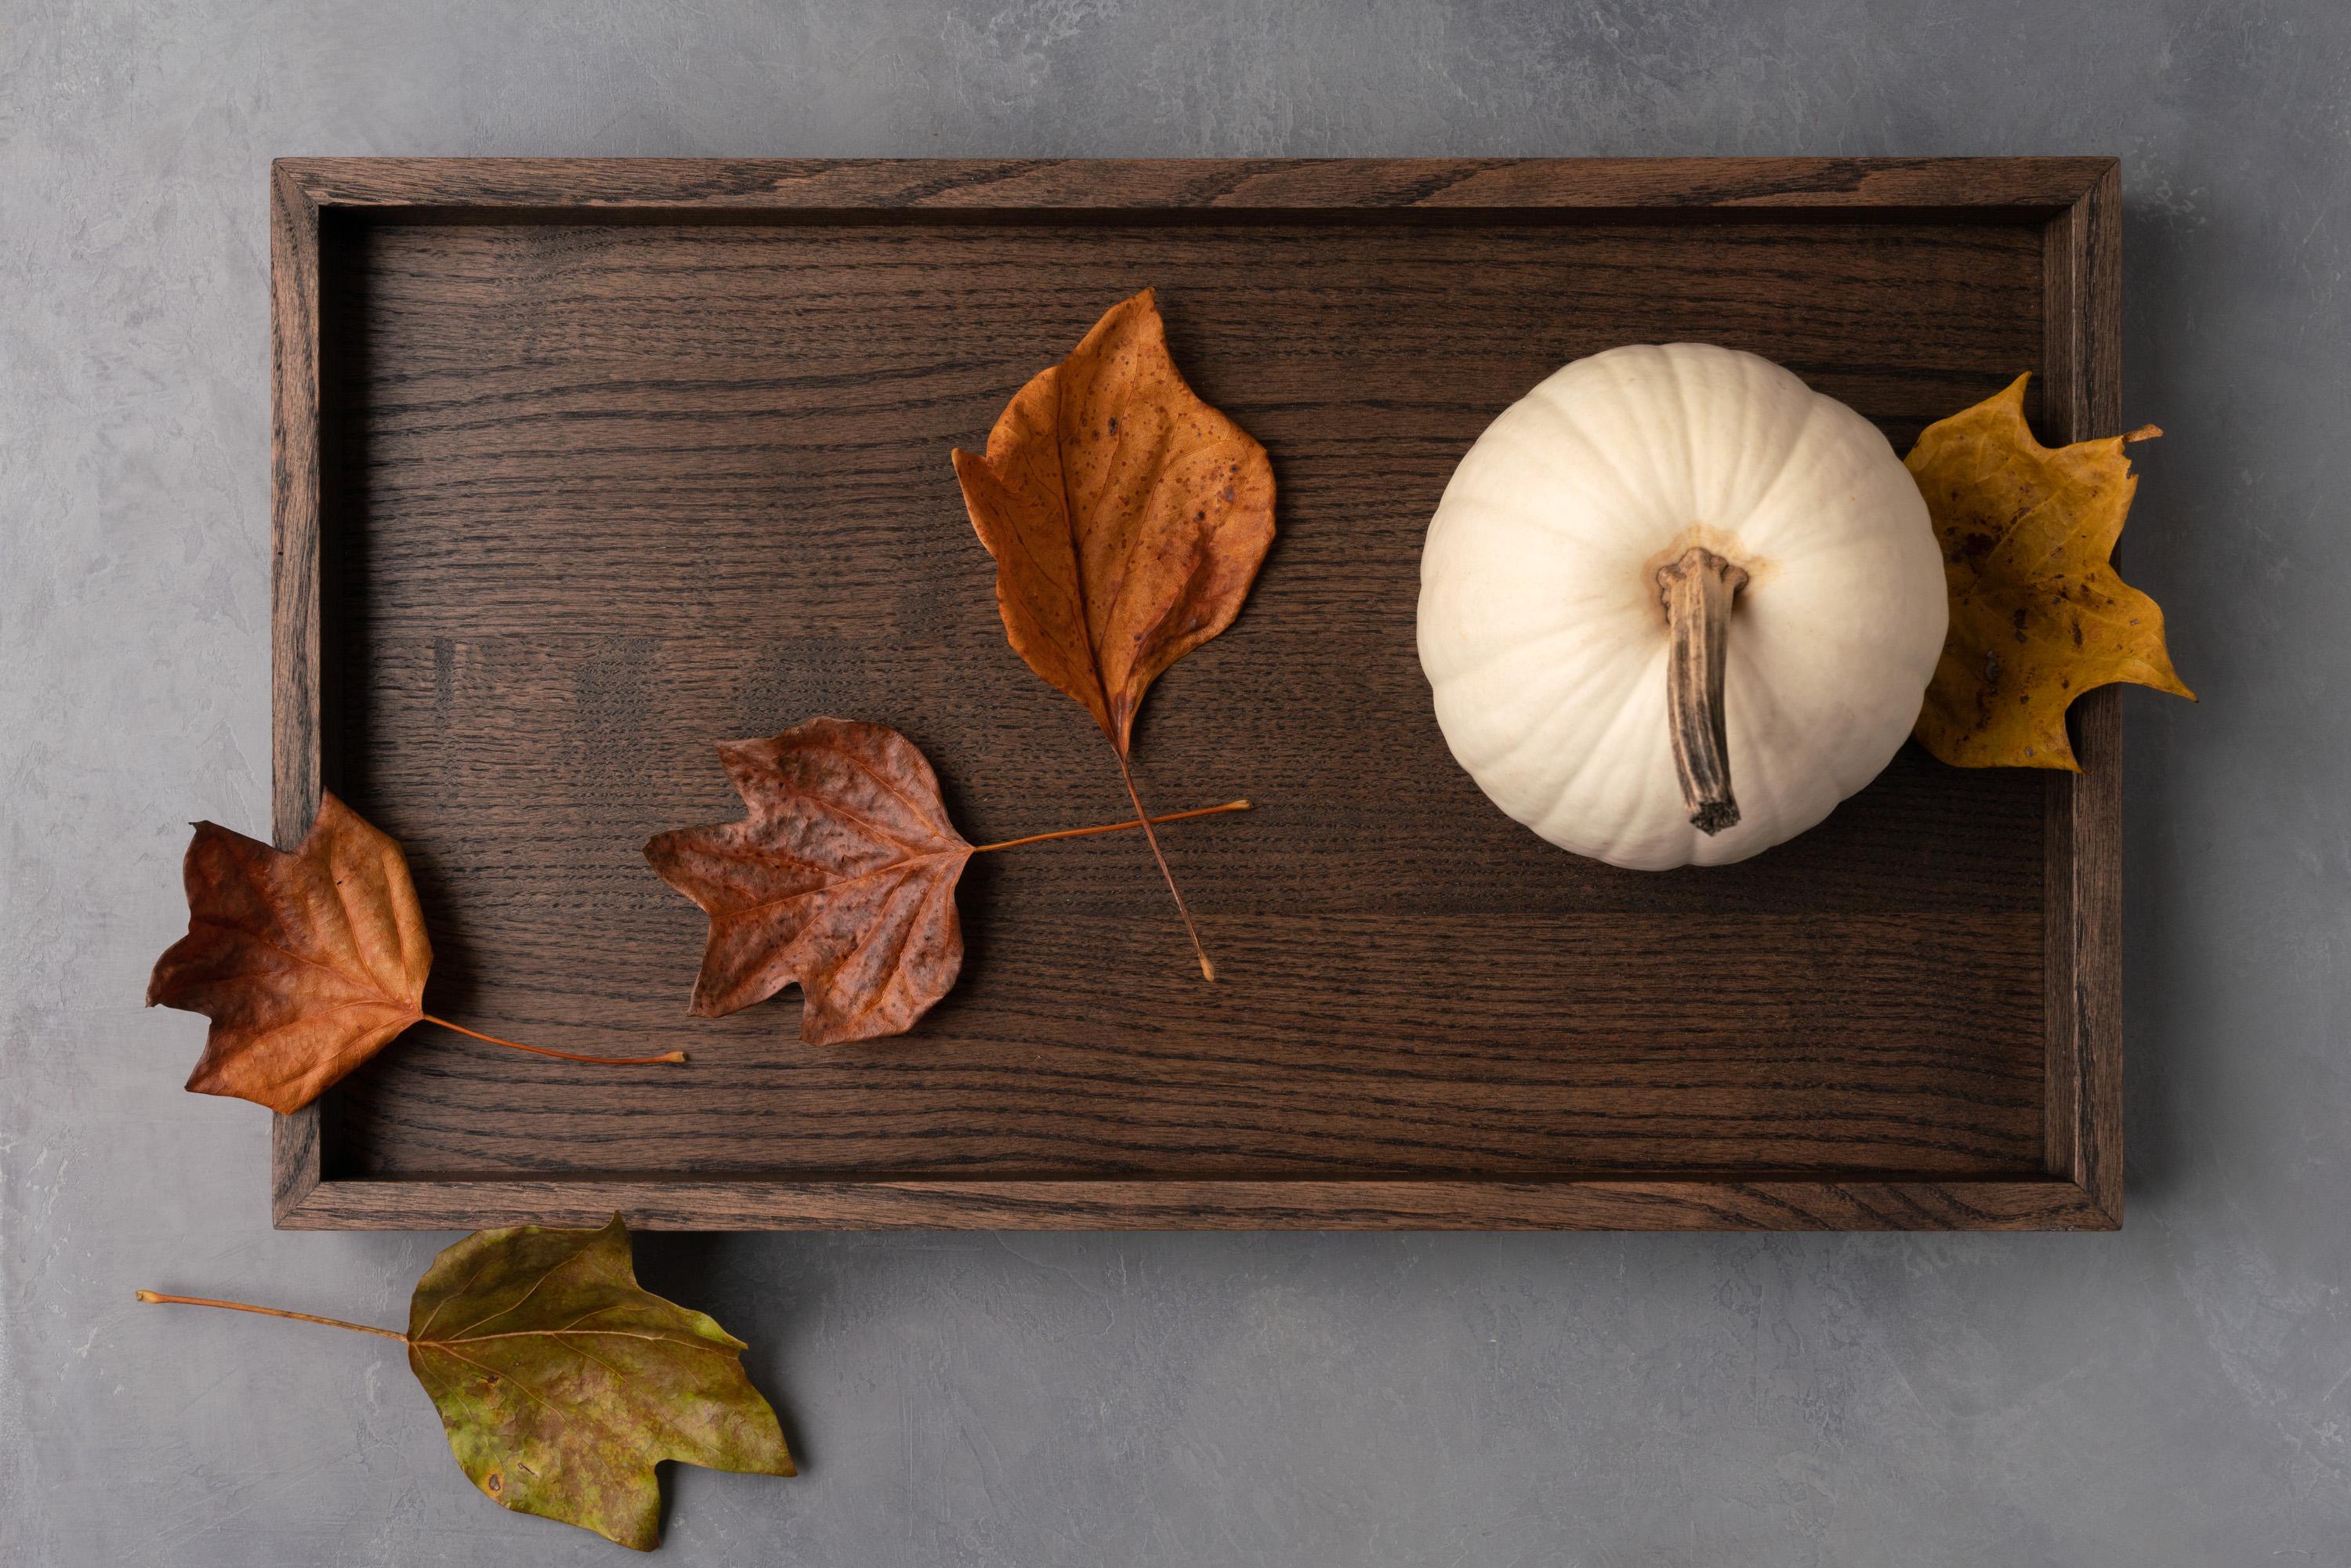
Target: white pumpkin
[(1675, 605)]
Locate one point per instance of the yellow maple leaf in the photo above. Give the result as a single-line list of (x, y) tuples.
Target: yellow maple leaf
[(2038, 614)]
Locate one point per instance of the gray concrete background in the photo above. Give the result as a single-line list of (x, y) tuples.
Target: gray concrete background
[(2177, 1393)]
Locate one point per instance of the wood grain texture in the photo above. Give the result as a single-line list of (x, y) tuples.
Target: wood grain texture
[(1580, 1203), (993, 188), (2082, 268), (294, 525), (294, 555), (590, 494)]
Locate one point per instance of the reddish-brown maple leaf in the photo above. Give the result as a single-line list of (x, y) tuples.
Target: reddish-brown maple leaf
[(1127, 518), (307, 963), (841, 878)]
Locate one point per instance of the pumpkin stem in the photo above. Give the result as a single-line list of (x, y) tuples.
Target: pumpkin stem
[(1697, 591)]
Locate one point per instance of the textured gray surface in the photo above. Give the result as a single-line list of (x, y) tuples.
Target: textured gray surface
[(2177, 1393)]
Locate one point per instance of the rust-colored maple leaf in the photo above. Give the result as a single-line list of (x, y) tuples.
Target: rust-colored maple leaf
[(843, 878), (307, 963), (1127, 518), (2038, 614)]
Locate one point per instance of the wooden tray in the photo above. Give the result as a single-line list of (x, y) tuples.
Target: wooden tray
[(582, 464)]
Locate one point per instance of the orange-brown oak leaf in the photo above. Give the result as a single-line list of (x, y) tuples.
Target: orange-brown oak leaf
[(2038, 614), (307, 964), (843, 878)]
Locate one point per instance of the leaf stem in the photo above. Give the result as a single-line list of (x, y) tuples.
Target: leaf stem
[(269, 1313), (559, 1055), (1110, 827), (1207, 970)]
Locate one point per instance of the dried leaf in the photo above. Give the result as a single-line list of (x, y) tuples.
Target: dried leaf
[(1127, 517), (307, 963), (2038, 614), (563, 1382), (841, 878)]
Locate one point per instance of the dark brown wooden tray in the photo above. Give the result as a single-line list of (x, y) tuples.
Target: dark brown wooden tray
[(582, 464)]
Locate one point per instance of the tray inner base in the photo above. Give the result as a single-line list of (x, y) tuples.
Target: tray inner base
[(595, 495)]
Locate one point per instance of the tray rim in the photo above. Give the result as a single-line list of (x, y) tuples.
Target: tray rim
[(2077, 199)]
